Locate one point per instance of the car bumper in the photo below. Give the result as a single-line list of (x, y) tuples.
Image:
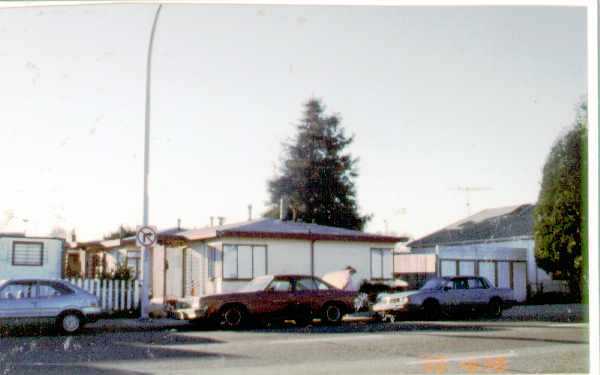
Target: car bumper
[(391, 308), (189, 314)]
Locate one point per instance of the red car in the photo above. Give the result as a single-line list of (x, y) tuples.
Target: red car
[(282, 297)]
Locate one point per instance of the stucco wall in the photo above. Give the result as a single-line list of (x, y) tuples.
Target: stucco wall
[(52, 259), (291, 257)]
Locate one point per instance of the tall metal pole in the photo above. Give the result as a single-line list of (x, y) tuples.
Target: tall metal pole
[(146, 249)]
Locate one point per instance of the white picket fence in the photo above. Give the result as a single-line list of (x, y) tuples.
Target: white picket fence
[(114, 295)]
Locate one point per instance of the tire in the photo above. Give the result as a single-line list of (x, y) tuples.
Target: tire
[(70, 323), (494, 309), (332, 314), (432, 310), (233, 317)]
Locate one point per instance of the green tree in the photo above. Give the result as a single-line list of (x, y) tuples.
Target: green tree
[(560, 218), (316, 175)]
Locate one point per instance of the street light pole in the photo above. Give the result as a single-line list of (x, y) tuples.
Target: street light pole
[(146, 249)]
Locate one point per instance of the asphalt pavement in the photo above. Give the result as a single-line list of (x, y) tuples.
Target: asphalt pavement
[(355, 347)]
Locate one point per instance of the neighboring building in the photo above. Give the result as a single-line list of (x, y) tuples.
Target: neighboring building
[(223, 258), (496, 243), (24, 256), (94, 259)]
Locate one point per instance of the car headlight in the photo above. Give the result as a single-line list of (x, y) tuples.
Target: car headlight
[(399, 300)]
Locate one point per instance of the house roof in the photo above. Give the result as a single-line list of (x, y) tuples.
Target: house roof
[(489, 224), (272, 228), (163, 234)]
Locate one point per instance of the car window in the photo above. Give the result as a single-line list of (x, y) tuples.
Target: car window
[(321, 285), (460, 284), (49, 290), (280, 286), (305, 283), (21, 290), (475, 283)]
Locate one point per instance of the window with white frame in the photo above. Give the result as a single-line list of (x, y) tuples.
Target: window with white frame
[(28, 254), (241, 262), (380, 263)]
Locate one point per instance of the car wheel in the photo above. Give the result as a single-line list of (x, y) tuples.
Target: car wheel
[(332, 314), (432, 310), (69, 323), (233, 317), (495, 308)]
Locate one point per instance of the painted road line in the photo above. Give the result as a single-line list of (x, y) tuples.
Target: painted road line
[(448, 358)]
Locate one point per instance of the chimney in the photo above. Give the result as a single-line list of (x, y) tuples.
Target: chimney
[(212, 221), (73, 236), (178, 224), (249, 212), (221, 220), (282, 209)]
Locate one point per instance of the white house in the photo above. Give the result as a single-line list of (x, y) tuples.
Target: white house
[(23, 256), (223, 258), (496, 243)]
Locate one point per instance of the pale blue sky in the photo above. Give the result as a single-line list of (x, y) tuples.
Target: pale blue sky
[(436, 97)]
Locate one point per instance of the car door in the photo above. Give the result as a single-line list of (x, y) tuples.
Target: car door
[(16, 300), (478, 293), (305, 297), (276, 298), (454, 295), (50, 300)]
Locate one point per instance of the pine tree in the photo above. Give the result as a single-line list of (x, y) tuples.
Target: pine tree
[(559, 221), (316, 177)]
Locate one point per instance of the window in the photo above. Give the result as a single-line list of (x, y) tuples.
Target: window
[(475, 283), (133, 262), (280, 286), (461, 284), (28, 254), (306, 283), (376, 263), (48, 290), (321, 285), (212, 260), (20, 290), (244, 261)]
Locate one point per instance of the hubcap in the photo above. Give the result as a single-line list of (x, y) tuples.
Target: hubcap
[(233, 317), (333, 313), (71, 323)]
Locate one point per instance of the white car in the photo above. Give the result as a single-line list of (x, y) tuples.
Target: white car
[(447, 295), (25, 300)]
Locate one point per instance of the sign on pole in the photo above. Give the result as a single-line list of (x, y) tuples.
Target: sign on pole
[(146, 236)]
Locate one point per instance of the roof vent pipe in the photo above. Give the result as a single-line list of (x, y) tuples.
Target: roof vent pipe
[(249, 212), (282, 209)]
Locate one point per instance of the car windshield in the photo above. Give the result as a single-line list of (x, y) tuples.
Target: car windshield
[(256, 285), (434, 284)]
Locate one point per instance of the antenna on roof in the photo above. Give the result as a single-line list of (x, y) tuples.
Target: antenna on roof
[(468, 190)]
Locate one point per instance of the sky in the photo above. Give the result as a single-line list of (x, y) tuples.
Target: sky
[(436, 97)]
